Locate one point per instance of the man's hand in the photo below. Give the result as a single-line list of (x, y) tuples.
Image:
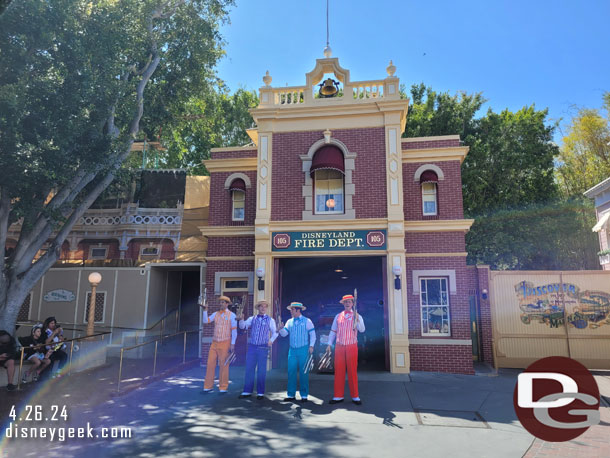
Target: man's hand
[(240, 317), (270, 343), (328, 349), (310, 350), (232, 348), (3, 356), (280, 325)]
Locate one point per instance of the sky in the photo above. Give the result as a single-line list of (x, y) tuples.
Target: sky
[(553, 54)]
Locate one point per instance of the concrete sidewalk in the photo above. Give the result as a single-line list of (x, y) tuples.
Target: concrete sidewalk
[(421, 414)]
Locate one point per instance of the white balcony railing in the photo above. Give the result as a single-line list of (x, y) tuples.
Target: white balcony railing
[(604, 259), (132, 215)]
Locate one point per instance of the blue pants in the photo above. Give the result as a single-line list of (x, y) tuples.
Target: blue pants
[(256, 356), (297, 357)]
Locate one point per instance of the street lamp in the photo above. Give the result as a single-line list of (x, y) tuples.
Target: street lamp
[(94, 278)]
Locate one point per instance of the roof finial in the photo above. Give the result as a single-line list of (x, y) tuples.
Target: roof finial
[(327, 50)]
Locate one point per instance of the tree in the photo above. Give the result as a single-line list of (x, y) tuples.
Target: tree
[(584, 156), (74, 81)]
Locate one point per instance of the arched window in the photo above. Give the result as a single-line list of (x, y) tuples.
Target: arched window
[(238, 199), (327, 171), (429, 197)]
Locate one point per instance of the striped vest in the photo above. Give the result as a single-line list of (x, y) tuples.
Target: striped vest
[(222, 326), (259, 334), (299, 337), (346, 334)]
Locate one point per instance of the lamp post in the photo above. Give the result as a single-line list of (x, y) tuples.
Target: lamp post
[(94, 278)]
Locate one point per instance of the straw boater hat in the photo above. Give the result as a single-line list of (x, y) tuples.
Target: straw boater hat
[(296, 305), (346, 297), (264, 301), (226, 299)]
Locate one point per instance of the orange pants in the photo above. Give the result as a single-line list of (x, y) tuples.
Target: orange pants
[(218, 351), (346, 355)]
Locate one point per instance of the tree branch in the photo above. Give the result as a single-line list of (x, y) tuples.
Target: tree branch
[(5, 210)]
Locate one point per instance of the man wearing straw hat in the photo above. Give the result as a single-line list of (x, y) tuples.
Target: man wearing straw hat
[(302, 341), (262, 335), (225, 333), (346, 350)]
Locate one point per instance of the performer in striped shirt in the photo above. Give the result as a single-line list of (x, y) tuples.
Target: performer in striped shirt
[(262, 335), (225, 333), (346, 350), (302, 341)]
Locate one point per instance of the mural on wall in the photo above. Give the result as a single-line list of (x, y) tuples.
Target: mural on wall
[(545, 304)]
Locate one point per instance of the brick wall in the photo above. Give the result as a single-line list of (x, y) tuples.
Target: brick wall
[(234, 154), (449, 191), (230, 246), (485, 311), (369, 176), (221, 205), (437, 242), (455, 359), (430, 144)]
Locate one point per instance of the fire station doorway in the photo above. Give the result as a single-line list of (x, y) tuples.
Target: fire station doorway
[(319, 283)]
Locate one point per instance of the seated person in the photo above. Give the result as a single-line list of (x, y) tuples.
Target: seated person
[(39, 356), (53, 335), (7, 355)]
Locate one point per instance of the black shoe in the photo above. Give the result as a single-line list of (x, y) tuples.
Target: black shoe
[(335, 401), (358, 403), (303, 400), (206, 391), (289, 399), (260, 396), (243, 396), (11, 387)]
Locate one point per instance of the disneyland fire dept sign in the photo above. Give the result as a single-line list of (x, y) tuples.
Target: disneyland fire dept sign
[(329, 240)]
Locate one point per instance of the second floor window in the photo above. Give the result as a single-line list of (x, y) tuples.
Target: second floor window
[(428, 194), (328, 191), (239, 205)]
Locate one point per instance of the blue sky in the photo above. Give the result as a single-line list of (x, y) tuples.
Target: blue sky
[(555, 54)]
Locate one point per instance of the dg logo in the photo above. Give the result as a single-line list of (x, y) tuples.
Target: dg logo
[(556, 399)]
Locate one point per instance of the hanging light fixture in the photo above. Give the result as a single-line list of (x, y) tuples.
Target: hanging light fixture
[(338, 270), (330, 203)]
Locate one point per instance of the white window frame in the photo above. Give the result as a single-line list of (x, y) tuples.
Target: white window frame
[(423, 202), (150, 256), (233, 218), (98, 247), (224, 288), (87, 293), (315, 194), (421, 308)]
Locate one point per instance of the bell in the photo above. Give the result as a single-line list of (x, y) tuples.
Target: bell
[(328, 88)]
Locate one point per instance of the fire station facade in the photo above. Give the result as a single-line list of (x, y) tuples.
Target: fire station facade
[(329, 198)]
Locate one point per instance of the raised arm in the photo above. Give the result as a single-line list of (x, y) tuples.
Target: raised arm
[(245, 324), (360, 324)]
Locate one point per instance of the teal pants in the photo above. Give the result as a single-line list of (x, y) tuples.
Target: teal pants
[(297, 357)]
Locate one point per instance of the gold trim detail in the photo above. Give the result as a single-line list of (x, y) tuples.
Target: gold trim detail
[(226, 231), (454, 153), (337, 225), (439, 225), (242, 164), (233, 148), (434, 255)]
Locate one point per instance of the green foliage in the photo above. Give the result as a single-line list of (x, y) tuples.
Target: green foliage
[(552, 236), (584, 158)]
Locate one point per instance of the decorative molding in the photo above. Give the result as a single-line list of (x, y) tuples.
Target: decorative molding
[(439, 225), (454, 153), (423, 168), (226, 231), (430, 139), (219, 276), (229, 258), (235, 176), (235, 148), (244, 164), (434, 273), (376, 223)]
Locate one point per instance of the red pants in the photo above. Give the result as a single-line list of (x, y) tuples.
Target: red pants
[(346, 354)]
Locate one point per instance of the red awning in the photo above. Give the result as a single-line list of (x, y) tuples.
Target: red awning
[(428, 177), (328, 157), (238, 185)]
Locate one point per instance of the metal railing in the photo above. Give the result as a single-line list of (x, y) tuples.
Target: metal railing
[(156, 342), (45, 345)]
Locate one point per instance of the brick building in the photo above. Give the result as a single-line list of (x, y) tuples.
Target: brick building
[(329, 198), (601, 193)]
